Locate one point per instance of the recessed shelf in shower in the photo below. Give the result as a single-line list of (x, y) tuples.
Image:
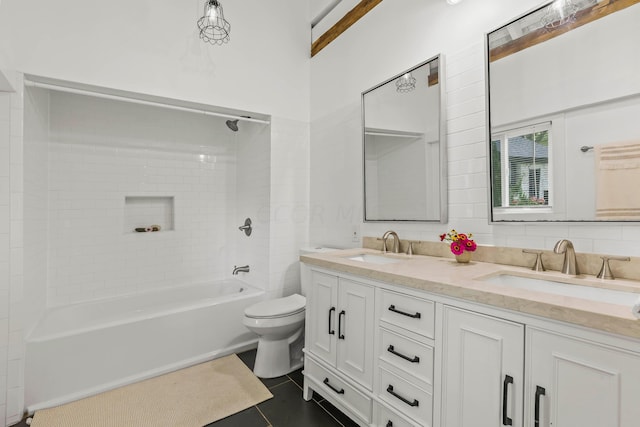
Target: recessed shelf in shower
[(145, 211)]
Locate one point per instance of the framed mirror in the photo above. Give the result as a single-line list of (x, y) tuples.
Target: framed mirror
[(404, 151), (563, 94)]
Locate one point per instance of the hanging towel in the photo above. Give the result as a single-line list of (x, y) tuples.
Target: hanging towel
[(617, 170)]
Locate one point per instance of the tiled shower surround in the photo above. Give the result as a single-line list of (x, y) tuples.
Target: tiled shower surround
[(103, 157), (68, 165)]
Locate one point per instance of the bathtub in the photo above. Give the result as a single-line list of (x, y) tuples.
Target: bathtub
[(79, 350)]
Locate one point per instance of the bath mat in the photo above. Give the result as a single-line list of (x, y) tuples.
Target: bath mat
[(191, 397)]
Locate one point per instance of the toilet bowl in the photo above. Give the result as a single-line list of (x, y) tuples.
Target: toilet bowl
[(279, 324)]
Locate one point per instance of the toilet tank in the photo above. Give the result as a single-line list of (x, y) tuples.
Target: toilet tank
[(305, 272)]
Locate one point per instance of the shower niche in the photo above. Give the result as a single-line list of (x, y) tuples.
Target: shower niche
[(147, 212)]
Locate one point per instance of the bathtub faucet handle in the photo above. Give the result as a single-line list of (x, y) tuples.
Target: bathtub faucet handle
[(243, 269)]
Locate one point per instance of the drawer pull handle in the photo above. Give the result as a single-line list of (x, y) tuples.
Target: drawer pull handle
[(331, 331), (326, 382), (508, 379), (414, 359), (341, 315), (540, 391), (389, 423), (395, 310), (396, 395)]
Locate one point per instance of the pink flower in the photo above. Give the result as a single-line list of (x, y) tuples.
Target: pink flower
[(457, 248), (470, 245)]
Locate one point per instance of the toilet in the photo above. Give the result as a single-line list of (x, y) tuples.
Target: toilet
[(279, 324)]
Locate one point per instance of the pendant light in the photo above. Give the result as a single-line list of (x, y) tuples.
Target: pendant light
[(405, 83), (213, 27)]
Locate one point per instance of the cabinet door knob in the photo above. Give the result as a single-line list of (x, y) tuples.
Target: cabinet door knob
[(404, 313), (414, 359), (508, 379), (405, 400), (331, 331), (540, 391), (340, 317), (326, 382)]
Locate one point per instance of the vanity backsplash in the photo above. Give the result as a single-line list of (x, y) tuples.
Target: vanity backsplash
[(588, 263)]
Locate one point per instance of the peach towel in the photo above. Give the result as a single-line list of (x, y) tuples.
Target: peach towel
[(617, 168)]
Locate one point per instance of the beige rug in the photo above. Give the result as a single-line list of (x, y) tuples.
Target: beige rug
[(191, 397)]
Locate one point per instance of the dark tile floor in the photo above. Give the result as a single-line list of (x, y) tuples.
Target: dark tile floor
[(287, 408)]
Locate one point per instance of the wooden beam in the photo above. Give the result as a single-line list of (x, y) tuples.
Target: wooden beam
[(343, 24), (540, 35)]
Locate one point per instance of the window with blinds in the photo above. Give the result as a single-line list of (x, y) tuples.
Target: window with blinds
[(520, 171)]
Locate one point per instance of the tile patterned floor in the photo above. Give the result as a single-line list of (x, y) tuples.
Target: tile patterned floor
[(287, 408)]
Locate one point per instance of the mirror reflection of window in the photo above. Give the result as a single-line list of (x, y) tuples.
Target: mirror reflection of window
[(578, 72), (521, 167)]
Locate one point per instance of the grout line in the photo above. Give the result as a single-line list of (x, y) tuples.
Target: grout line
[(318, 402), (330, 414), (265, 418), (279, 384), (276, 385)]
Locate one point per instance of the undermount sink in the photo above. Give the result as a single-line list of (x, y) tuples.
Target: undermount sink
[(611, 296), (373, 259)]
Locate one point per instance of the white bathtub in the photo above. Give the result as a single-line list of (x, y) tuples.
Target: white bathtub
[(83, 349)]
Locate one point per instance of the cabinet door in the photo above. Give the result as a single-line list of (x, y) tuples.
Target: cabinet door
[(482, 370), (574, 382), (322, 317), (355, 331)]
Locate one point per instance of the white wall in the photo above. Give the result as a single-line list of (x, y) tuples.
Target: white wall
[(153, 48), (365, 55), (587, 65), (5, 230)]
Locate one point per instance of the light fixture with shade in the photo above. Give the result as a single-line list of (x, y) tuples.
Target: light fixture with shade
[(559, 13), (213, 27), (405, 83)]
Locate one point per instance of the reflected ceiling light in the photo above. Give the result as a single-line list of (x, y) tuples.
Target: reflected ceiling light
[(213, 27), (406, 83), (559, 13), (453, 1)]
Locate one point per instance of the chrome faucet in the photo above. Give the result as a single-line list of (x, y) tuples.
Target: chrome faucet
[(243, 269), (570, 266), (396, 241)]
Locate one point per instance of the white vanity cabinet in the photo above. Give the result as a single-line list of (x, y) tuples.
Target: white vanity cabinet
[(578, 382), (405, 358), (339, 342), (390, 356), (496, 372), (482, 370)]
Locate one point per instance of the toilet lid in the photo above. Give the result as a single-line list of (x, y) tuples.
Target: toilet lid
[(278, 307)]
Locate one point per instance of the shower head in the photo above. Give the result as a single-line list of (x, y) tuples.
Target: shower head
[(233, 125)]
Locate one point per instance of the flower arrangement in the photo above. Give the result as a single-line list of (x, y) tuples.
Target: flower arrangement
[(460, 242)]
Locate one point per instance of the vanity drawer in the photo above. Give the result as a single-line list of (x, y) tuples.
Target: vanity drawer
[(411, 356), (408, 312), (386, 417), (405, 397), (329, 385)]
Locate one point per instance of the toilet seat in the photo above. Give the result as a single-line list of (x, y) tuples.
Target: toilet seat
[(275, 308)]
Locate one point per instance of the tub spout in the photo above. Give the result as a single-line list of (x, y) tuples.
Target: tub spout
[(243, 268)]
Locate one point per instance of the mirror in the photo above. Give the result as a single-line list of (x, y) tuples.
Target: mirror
[(403, 147), (564, 101)]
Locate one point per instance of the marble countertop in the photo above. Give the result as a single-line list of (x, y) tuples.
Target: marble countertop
[(447, 277)]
